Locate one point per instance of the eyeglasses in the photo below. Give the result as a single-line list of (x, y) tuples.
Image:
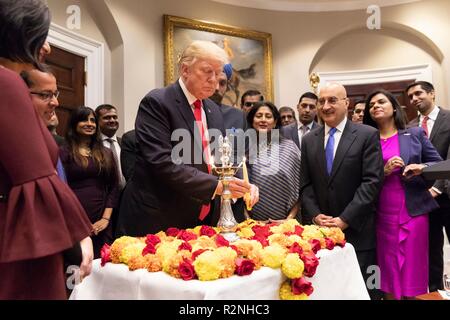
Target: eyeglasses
[(249, 104), (331, 101), (222, 83), (358, 111), (47, 95)]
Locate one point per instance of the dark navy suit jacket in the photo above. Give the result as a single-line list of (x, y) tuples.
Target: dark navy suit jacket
[(416, 148)]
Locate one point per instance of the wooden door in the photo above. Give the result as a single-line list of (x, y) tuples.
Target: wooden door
[(357, 92), (69, 70)]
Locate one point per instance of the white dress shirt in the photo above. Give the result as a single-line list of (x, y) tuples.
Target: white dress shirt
[(337, 135), (431, 119), (300, 132), (107, 144)]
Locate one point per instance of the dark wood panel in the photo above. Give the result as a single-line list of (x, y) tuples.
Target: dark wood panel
[(69, 72), (357, 92)]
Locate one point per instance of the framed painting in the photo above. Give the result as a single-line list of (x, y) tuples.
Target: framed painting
[(249, 52)]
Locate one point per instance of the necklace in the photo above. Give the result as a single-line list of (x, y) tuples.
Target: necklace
[(85, 151)]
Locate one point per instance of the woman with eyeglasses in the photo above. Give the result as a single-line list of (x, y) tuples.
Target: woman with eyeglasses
[(40, 216), (274, 165), (91, 173), (404, 201)]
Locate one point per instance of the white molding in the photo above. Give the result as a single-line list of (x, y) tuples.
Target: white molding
[(313, 6), (419, 72), (92, 51)]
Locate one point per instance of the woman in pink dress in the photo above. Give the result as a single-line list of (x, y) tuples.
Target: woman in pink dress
[(404, 202)]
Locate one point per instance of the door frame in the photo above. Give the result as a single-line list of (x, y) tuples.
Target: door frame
[(419, 72), (94, 54)]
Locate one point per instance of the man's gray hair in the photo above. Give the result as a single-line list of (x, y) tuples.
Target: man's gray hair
[(200, 49)]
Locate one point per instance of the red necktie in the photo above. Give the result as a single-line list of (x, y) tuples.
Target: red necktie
[(198, 119), (424, 125)]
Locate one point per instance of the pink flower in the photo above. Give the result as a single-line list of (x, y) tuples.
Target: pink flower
[(315, 245), (300, 286), (187, 235), (262, 231), (105, 254), (244, 267), (296, 248), (329, 244), (186, 270), (298, 230), (311, 262), (207, 231), (185, 246), (172, 232), (221, 241), (152, 239), (149, 249), (261, 239)]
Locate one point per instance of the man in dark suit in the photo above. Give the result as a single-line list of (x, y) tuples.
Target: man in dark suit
[(436, 123), (307, 110), (342, 174), (172, 185)]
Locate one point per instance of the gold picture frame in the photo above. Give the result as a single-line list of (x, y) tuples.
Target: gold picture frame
[(250, 54)]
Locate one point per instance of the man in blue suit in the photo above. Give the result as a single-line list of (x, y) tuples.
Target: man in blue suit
[(173, 186)]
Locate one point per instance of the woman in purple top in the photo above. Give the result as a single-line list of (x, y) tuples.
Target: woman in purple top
[(404, 202), (91, 173)]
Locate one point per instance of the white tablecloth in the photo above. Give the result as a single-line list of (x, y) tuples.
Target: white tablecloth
[(338, 277)]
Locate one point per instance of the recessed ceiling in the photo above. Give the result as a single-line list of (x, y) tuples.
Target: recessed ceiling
[(313, 5)]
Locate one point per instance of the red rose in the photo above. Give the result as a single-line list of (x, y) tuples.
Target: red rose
[(105, 253), (186, 235), (298, 230), (342, 244), (149, 249), (329, 244), (207, 231), (315, 245), (261, 240), (296, 248), (300, 286), (152, 239), (311, 262), (261, 231), (244, 267), (221, 241), (195, 254), (186, 270), (173, 232), (185, 246)]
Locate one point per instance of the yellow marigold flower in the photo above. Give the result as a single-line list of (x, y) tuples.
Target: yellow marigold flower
[(203, 242), (227, 258), (278, 238), (207, 266), (293, 239), (170, 265), (137, 262), (152, 263), (273, 256), (286, 293), (277, 229), (246, 246), (132, 250), (245, 233), (119, 245), (162, 235), (293, 266), (311, 232), (166, 250)]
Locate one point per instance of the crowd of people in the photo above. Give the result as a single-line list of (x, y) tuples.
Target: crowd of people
[(62, 198)]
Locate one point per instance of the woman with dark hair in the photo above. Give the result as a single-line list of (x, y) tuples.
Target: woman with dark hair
[(91, 173), (404, 201), (40, 215), (274, 165)]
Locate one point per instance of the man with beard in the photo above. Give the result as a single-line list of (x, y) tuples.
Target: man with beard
[(436, 123)]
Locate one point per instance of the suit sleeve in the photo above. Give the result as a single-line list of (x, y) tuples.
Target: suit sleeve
[(366, 196), (307, 197), (153, 133), (128, 155)]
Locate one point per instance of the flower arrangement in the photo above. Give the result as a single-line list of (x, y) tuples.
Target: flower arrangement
[(202, 253)]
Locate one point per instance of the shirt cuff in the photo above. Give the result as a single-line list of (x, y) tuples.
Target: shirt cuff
[(439, 192)]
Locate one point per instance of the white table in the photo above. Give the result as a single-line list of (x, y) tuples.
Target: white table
[(338, 277)]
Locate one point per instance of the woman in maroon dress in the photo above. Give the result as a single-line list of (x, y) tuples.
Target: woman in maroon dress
[(91, 173), (40, 217)]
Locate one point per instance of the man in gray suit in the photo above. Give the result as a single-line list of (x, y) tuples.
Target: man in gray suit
[(341, 176), (307, 110), (436, 123)]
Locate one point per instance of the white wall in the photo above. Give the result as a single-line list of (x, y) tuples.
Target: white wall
[(296, 39)]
